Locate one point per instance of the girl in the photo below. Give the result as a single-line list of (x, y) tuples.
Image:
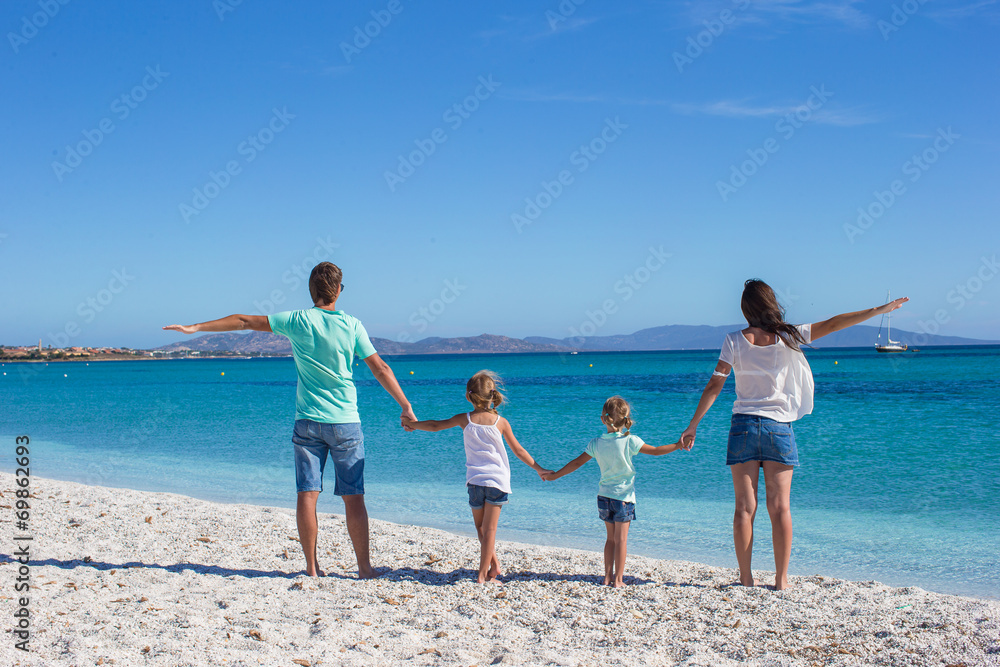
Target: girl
[(487, 470), (774, 387), (616, 492)]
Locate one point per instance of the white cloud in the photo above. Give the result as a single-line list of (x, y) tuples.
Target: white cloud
[(740, 109)]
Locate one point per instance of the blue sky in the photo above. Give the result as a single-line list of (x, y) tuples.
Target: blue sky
[(515, 168)]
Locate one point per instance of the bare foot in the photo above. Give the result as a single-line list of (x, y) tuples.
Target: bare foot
[(493, 574), (315, 573), (749, 584), (780, 585), (619, 583), (370, 573), (481, 579)]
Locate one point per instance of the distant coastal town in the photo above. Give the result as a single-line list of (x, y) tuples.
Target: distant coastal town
[(49, 353)]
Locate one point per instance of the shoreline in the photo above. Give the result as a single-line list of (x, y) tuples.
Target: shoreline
[(124, 577), (463, 529)]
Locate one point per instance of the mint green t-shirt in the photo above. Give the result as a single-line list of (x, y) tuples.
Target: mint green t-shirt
[(324, 344), (614, 452)]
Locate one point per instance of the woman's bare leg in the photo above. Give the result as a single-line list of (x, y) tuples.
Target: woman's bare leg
[(778, 484), (745, 477)]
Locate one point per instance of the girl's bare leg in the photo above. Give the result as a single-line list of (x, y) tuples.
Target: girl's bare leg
[(745, 477), (609, 554), (778, 484), (621, 549), (486, 519)]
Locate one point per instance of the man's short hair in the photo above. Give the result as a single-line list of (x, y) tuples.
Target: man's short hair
[(324, 283)]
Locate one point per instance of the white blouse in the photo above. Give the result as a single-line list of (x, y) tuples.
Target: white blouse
[(772, 381)]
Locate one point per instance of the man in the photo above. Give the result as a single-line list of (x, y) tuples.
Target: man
[(324, 343)]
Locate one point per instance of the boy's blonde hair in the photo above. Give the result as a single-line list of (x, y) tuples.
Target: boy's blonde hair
[(483, 390), (616, 414)]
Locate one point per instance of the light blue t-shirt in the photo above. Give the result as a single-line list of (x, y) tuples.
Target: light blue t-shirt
[(614, 452), (324, 343)]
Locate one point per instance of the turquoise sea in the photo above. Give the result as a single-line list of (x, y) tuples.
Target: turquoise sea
[(899, 482)]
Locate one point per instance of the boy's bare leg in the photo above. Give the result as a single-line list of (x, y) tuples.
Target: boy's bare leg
[(745, 476), (357, 527), (621, 549), (778, 483), (305, 519), (609, 554)]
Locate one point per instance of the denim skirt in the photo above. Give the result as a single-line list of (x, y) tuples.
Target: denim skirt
[(756, 438)]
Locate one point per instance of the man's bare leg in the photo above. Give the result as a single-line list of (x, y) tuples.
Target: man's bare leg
[(357, 528), (305, 518)]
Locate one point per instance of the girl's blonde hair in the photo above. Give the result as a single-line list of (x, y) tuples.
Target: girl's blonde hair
[(616, 413), (483, 390)]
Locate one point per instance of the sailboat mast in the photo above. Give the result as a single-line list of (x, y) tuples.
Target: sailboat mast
[(888, 319)]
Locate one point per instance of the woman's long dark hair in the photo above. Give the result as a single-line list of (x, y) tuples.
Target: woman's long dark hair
[(761, 308)]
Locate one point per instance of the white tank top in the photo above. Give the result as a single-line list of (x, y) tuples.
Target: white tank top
[(486, 462)]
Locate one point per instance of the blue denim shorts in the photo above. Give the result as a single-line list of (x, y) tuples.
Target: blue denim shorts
[(755, 438), (480, 495), (615, 511), (346, 447)]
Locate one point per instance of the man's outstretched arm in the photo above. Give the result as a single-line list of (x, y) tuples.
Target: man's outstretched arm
[(231, 323)]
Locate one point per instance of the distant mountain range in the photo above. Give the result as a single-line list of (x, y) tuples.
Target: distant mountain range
[(670, 337)]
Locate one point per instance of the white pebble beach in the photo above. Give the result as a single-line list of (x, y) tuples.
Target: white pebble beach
[(122, 577)]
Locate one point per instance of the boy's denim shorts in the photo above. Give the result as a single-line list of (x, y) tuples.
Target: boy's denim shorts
[(756, 438), (346, 447), (480, 495), (615, 511)]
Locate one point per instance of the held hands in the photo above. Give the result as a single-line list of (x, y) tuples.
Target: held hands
[(548, 476), (543, 473), (407, 419), (686, 441)]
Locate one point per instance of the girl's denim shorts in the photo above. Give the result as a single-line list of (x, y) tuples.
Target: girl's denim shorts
[(755, 438), (615, 511), (481, 495)]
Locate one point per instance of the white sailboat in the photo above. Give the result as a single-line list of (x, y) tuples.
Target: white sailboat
[(891, 345)]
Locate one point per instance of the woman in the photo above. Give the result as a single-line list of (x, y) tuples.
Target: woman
[(774, 387)]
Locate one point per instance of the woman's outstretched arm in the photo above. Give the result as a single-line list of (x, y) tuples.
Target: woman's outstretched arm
[(708, 396), (838, 322)]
